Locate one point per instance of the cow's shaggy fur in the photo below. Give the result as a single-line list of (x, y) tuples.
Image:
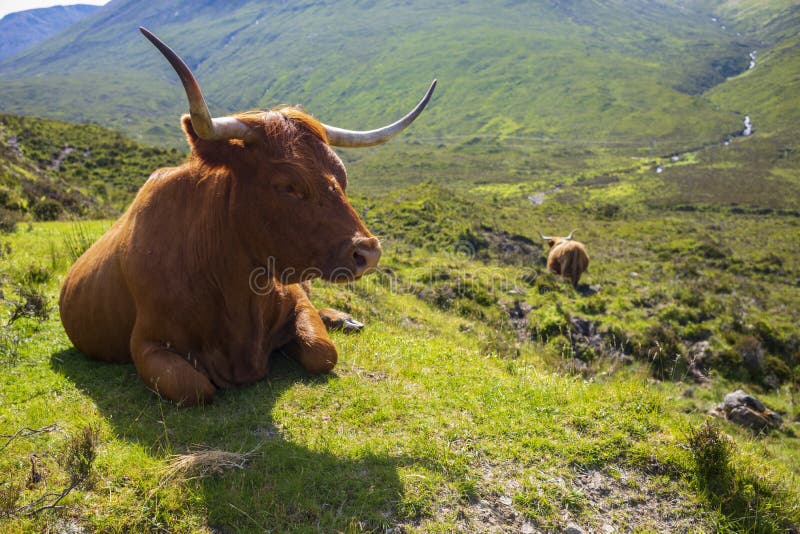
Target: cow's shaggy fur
[(567, 258)]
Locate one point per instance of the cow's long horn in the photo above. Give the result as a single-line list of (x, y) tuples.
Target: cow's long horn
[(545, 237), (569, 237), (211, 129), (351, 138)]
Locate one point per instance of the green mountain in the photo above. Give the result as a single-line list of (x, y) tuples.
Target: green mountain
[(24, 29), (618, 74)]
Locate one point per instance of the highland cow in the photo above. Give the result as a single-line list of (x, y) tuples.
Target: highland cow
[(201, 279), (567, 258)]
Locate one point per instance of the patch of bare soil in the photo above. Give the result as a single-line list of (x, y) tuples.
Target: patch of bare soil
[(599, 502), (631, 501), (362, 373), (511, 248)]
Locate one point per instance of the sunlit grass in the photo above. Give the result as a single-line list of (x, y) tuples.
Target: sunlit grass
[(425, 417)]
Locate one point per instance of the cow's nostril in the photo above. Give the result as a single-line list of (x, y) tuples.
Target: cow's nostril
[(361, 261), (366, 253)]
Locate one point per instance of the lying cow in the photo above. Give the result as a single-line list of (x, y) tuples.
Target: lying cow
[(567, 258), (201, 279)]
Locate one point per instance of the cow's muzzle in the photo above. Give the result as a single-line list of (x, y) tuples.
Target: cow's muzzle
[(366, 253)]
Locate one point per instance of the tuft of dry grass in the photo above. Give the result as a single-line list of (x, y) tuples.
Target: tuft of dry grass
[(203, 463)]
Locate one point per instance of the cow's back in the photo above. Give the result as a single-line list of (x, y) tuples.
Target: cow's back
[(569, 260), (96, 308)]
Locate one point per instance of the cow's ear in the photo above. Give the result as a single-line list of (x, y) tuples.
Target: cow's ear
[(212, 152), (188, 129)]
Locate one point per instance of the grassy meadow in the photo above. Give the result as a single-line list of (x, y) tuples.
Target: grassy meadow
[(470, 402), (484, 394)]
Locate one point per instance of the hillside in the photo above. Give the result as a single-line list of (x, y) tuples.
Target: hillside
[(482, 392), (769, 92), (51, 169), (24, 29), (613, 74)]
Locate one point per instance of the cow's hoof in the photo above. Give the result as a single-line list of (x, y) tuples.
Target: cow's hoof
[(351, 325), (343, 322)]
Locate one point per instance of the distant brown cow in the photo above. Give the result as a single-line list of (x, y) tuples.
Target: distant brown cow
[(567, 258), (201, 279)]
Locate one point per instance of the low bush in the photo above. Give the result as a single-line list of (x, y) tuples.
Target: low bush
[(34, 304), (47, 210), (9, 220)]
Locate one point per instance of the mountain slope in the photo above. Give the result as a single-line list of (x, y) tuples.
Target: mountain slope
[(770, 91), (24, 29), (627, 73), (51, 168)]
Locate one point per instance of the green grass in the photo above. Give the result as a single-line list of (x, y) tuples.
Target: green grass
[(429, 422)]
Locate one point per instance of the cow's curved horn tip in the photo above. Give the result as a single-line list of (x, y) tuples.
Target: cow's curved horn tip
[(148, 34), (433, 85)]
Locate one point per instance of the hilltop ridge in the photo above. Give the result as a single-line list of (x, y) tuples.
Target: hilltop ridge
[(23, 29)]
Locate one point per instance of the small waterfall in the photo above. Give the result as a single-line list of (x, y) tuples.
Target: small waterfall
[(748, 126)]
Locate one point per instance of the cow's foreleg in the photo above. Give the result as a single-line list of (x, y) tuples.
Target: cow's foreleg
[(334, 319), (169, 374), (311, 345)]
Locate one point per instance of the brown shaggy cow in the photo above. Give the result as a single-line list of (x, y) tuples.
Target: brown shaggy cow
[(567, 258), (201, 279)]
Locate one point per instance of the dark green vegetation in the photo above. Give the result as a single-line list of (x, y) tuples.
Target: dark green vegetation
[(483, 392), (51, 169)]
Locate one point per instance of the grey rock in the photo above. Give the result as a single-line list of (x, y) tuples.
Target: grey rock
[(745, 410), (741, 398), (583, 326)]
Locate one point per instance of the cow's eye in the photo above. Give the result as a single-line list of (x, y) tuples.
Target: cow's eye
[(333, 183), (291, 190)]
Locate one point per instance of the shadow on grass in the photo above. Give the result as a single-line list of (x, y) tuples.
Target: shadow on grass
[(286, 486)]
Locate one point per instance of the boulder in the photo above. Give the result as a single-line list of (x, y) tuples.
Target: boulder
[(745, 410)]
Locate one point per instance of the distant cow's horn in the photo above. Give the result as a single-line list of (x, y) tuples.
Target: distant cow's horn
[(545, 237), (569, 237), (217, 129), (350, 138)]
